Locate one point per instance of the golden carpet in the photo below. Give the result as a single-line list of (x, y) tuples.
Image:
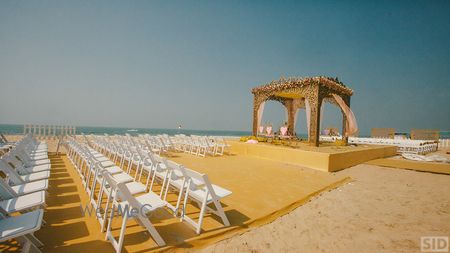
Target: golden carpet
[(263, 190)]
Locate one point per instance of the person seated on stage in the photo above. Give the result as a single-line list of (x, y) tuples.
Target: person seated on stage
[(284, 130)]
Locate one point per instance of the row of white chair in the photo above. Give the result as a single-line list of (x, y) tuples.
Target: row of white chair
[(444, 143), (403, 145), (139, 155), (200, 145), (26, 170), (132, 183), (194, 144)]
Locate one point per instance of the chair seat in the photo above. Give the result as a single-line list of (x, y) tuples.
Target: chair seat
[(16, 226), (107, 163), (38, 162), (149, 201), (114, 169), (135, 187), (38, 156), (177, 183), (37, 152), (38, 148), (93, 151), (35, 186), (33, 169), (24, 202), (122, 178), (199, 194), (161, 173), (36, 176), (101, 158)]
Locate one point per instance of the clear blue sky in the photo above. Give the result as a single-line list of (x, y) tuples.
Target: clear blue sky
[(158, 64)]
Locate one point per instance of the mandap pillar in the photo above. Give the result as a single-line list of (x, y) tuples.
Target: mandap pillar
[(344, 120), (315, 102), (289, 104), (255, 115)]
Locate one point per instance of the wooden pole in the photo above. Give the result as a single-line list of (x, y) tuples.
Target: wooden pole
[(315, 102), (344, 121), (255, 116)]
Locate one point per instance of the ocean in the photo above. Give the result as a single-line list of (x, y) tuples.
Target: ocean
[(18, 129)]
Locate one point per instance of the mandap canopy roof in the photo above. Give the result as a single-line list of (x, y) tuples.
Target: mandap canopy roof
[(291, 86)]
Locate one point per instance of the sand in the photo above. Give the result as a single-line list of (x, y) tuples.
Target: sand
[(383, 210)]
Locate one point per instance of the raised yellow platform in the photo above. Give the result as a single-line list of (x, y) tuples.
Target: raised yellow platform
[(325, 158)]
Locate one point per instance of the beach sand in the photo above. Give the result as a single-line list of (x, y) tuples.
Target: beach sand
[(382, 210)]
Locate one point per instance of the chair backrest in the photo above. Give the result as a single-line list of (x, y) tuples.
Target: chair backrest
[(4, 138), (176, 169), (157, 158), (198, 180), (10, 159), (127, 196), (109, 179), (12, 175), (147, 159), (5, 190)]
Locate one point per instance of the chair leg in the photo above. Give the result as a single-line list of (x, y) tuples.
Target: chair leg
[(122, 232), (221, 213), (153, 180), (34, 240), (27, 245), (111, 217), (200, 218), (163, 184), (180, 196), (151, 229), (183, 212), (105, 215)]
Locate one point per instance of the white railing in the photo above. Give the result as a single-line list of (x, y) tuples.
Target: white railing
[(49, 131), (444, 143)]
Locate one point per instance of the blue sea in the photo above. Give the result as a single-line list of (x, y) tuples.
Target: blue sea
[(18, 129)]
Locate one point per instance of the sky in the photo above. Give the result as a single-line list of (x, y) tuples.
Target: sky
[(158, 64)]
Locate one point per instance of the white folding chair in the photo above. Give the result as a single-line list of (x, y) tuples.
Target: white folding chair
[(11, 202), (107, 187), (17, 178), (13, 177), (200, 190), (22, 189), (21, 168), (144, 205), (22, 228)]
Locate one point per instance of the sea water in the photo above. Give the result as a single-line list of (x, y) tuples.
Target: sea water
[(18, 129)]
